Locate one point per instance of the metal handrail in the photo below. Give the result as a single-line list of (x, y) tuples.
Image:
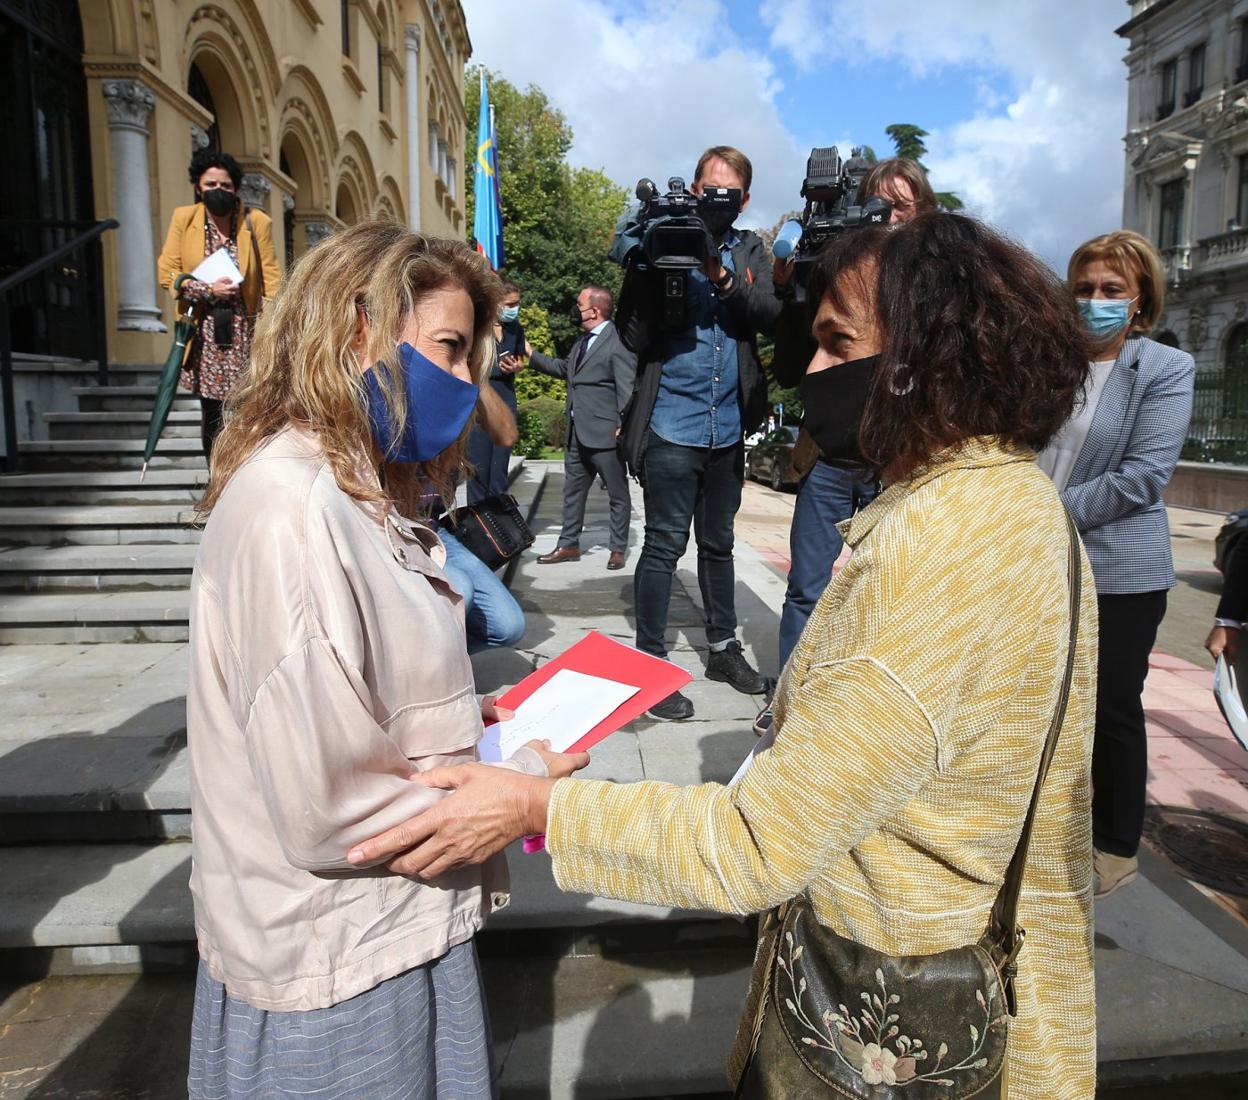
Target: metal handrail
[(89, 236), (44, 262)]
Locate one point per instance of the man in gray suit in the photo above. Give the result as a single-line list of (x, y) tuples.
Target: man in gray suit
[(599, 371)]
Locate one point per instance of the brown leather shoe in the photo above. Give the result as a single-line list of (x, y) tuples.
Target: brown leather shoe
[(560, 554), (616, 560)]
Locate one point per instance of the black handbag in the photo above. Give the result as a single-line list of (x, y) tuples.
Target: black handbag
[(834, 1018), (493, 529)]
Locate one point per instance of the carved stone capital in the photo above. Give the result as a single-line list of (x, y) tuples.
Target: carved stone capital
[(411, 37), (130, 104), (199, 138), (288, 201), (255, 190), (315, 232)]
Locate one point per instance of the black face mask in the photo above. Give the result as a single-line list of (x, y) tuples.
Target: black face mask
[(718, 222), (576, 316), (835, 400), (219, 202)]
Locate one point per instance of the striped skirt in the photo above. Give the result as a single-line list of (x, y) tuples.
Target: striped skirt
[(422, 1034)]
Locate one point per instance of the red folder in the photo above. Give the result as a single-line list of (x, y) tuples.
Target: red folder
[(598, 655)]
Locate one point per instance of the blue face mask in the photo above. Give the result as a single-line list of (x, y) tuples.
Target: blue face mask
[(1105, 317), (438, 407), (509, 314)]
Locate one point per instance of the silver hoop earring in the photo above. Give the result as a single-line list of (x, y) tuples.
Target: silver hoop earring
[(892, 382)]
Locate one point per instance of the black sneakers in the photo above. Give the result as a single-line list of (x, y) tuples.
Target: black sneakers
[(730, 666), (675, 708)]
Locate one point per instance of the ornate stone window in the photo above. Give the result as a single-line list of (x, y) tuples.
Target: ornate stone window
[(1170, 228), (1169, 89)]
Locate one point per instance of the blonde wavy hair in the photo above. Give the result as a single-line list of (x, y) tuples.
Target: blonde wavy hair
[(303, 372), (1129, 254)]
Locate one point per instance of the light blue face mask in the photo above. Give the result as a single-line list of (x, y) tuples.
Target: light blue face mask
[(1105, 317), (509, 314)]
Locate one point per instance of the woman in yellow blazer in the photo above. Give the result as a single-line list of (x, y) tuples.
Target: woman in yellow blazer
[(226, 311), (912, 714)]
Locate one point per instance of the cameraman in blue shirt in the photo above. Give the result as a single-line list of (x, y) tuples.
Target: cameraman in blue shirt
[(699, 390)]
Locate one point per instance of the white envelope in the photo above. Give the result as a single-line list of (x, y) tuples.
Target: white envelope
[(217, 266), (1230, 702)]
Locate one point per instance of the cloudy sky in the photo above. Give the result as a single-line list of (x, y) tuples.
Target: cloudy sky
[(1025, 100)]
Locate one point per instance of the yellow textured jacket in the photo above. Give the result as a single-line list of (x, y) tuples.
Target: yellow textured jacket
[(184, 251), (910, 723)]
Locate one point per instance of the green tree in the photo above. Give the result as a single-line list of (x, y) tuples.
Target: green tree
[(907, 139), (531, 384), (557, 221)]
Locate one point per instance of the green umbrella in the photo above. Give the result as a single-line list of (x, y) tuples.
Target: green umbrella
[(183, 334)]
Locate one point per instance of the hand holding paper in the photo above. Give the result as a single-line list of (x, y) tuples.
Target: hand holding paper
[(216, 267)]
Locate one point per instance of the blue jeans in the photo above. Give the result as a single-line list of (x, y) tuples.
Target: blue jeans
[(492, 616), (687, 486), (828, 495)]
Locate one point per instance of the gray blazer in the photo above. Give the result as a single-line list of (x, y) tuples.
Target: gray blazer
[(1115, 487), (599, 390)]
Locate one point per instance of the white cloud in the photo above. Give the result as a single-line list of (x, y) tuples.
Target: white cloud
[(646, 88), (1047, 164)]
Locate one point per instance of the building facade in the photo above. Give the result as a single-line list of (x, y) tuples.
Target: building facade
[(1186, 189), (338, 111)]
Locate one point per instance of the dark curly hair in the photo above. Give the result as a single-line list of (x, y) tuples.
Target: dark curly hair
[(204, 159), (979, 337)]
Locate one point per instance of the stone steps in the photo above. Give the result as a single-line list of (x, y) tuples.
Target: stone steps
[(127, 398), (136, 894), (97, 524), (96, 568), (110, 454), (182, 424), (168, 486), (74, 618)]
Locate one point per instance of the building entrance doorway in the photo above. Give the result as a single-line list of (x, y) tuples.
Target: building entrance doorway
[(45, 188)]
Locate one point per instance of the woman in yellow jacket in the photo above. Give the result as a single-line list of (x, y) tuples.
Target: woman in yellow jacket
[(226, 310), (912, 714)]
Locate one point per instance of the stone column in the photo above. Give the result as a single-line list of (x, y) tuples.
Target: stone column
[(315, 232), (411, 95), (130, 105), (442, 157), (255, 191), (452, 172), (433, 146)]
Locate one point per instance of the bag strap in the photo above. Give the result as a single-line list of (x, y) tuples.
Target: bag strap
[(1005, 910), (255, 255)]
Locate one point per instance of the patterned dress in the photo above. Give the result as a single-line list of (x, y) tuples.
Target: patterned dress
[(210, 370)]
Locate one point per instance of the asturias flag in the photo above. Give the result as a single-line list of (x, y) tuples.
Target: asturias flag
[(487, 226)]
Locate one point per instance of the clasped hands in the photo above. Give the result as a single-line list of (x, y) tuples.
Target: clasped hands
[(488, 808)]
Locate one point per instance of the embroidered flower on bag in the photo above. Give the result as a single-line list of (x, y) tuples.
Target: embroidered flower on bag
[(878, 1065), (870, 1042)]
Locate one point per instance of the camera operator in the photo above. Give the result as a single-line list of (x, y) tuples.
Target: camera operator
[(829, 492), (699, 391)]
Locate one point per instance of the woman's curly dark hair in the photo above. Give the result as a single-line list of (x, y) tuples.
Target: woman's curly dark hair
[(203, 159), (979, 337)]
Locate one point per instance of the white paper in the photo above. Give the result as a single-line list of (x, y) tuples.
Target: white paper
[(217, 266), (764, 743), (561, 711), (1231, 703)]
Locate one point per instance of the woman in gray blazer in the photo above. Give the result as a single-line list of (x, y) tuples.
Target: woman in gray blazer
[(1110, 464)]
